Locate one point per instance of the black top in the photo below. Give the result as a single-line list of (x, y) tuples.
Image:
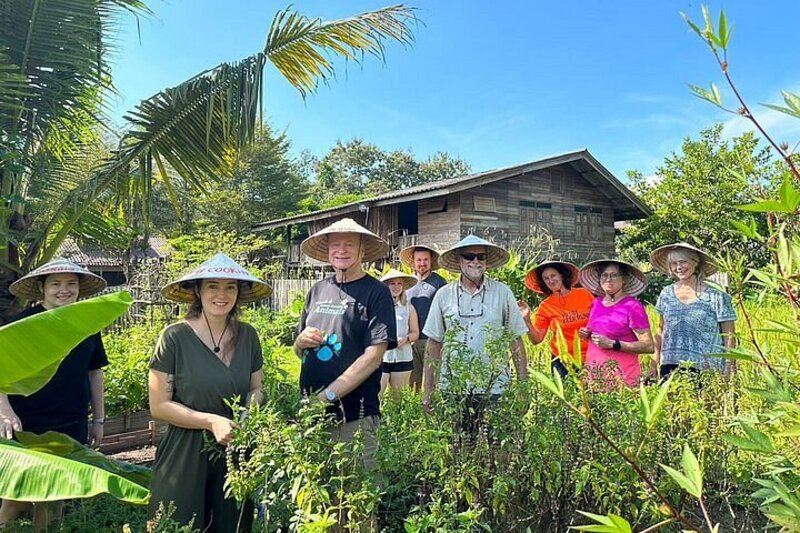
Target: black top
[(421, 296), (65, 398), (352, 316)]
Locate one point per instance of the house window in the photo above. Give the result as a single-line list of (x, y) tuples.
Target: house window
[(557, 181), (484, 203), (588, 222), (535, 215)]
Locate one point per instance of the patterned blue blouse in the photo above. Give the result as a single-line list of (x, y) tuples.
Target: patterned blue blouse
[(691, 331)]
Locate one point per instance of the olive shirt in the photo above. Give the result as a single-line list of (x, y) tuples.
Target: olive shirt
[(183, 471)]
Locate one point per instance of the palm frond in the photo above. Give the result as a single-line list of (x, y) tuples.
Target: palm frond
[(299, 46), (60, 48), (197, 127)]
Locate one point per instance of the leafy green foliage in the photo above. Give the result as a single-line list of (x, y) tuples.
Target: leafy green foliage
[(31, 349), (358, 169), (694, 197)]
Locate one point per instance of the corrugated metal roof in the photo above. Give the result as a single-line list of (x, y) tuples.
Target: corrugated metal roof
[(627, 205), (89, 255)]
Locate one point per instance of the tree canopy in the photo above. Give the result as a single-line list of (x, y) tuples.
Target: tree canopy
[(694, 195)]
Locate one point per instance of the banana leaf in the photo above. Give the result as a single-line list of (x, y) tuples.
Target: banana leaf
[(65, 446), (32, 348), (33, 475)]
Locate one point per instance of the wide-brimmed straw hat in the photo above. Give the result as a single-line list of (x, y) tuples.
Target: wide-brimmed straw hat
[(28, 286), (660, 258), (532, 277), (218, 267), (407, 255), (635, 282), (407, 279), (316, 246), (495, 255)]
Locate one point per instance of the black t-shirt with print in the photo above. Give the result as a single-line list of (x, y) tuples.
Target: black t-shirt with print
[(352, 316), (65, 399), (421, 295)]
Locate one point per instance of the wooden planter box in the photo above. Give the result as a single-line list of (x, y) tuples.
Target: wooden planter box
[(131, 430)]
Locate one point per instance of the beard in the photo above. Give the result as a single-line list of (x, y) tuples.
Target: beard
[(474, 274)]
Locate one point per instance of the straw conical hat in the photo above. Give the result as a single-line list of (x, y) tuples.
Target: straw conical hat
[(495, 255), (316, 246), (407, 255), (408, 280), (635, 282), (660, 258), (28, 286), (218, 267), (532, 277)]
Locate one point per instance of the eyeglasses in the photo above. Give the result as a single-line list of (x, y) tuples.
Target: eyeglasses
[(472, 257), (610, 277), (471, 313)]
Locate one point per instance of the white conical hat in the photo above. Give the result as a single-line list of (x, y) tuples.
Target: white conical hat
[(407, 279), (635, 282), (495, 255), (218, 267), (28, 286), (407, 255), (316, 246), (660, 262)]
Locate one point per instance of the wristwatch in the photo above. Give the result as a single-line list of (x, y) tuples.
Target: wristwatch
[(617, 346), (330, 395)]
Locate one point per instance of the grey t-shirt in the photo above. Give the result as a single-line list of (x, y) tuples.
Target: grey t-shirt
[(421, 295), (691, 331)]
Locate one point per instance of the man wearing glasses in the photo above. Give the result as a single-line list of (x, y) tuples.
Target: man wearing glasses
[(478, 308)]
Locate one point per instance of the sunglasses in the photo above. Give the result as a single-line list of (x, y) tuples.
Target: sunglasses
[(472, 257)]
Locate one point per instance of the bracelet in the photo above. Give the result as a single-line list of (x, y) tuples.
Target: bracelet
[(98, 421), (617, 345)]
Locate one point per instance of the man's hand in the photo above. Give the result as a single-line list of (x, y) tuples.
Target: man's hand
[(309, 338)]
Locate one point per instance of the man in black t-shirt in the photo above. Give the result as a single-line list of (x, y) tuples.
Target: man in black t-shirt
[(346, 326), (423, 260)]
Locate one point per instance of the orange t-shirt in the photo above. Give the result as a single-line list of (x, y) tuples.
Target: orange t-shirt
[(570, 312)]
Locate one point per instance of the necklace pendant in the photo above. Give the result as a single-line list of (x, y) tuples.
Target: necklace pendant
[(216, 349)]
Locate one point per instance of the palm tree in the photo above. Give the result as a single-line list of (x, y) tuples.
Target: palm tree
[(54, 75)]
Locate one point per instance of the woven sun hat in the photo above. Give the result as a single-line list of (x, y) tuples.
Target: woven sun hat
[(660, 258), (407, 279), (316, 246), (407, 255), (218, 267), (495, 255), (532, 277), (635, 282), (28, 286)]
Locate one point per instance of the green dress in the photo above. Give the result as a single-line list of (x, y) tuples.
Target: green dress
[(183, 472)]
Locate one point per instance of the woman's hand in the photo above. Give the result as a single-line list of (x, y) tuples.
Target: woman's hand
[(9, 423), (222, 428), (524, 310), (402, 341), (601, 341), (96, 434), (585, 333)]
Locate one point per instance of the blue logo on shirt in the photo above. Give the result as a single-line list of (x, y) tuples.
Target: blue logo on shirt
[(331, 347)]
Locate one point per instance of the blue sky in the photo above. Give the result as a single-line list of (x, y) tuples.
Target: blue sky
[(495, 83)]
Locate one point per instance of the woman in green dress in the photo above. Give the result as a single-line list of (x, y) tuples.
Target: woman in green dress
[(198, 364)]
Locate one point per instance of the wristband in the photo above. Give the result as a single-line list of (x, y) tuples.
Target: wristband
[(99, 421)]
